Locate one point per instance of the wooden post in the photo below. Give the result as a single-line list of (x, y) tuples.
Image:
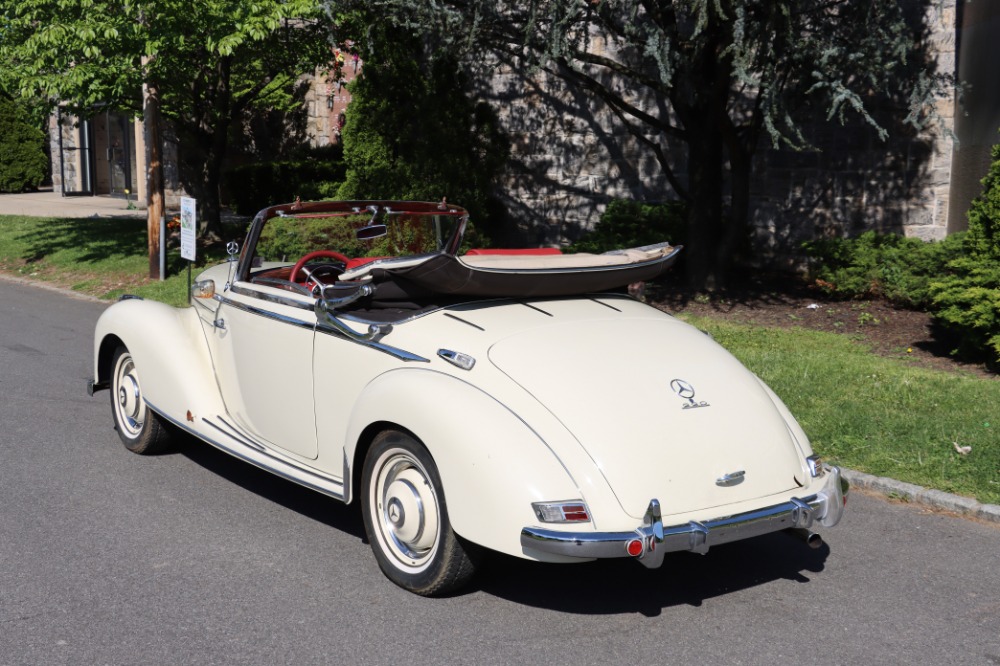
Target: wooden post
[(154, 171)]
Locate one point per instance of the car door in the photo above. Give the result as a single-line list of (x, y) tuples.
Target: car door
[(263, 349)]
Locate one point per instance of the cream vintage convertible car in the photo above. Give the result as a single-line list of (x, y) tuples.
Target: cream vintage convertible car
[(518, 400)]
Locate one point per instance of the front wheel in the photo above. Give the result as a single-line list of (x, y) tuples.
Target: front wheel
[(406, 518), (139, 428)]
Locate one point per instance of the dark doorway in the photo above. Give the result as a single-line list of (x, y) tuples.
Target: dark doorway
[(77, 162)]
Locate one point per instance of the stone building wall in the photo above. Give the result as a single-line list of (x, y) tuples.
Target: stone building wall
[(853, 181), (326, 99), (570, 156)]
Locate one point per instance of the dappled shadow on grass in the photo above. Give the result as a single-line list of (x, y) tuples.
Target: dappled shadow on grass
[(622, 586), (95, 238)]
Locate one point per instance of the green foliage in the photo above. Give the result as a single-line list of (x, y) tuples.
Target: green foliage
[(887, 266), (255, 186), (23, 161), (968, 300), (212, 61), (984, 214), (724, 73), (288, 238), (413, 132), (968, 305), (874, 414), (626, 223)]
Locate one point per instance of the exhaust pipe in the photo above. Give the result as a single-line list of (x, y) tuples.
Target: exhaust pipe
[(809, 537)]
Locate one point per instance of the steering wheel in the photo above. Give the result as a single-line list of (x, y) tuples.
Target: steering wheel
[(330, 254)]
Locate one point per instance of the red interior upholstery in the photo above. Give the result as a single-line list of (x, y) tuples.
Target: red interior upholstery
[(530, 251), (354, 262)]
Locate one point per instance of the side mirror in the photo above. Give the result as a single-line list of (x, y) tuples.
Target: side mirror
[(371, 231)]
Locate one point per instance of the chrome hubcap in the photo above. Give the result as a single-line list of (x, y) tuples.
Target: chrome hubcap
[(129, 405), (406, 509)]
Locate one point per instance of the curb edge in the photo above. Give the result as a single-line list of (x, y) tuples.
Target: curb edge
[(936, 499)]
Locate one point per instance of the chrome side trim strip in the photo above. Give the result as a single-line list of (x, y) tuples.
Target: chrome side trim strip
[(273, 298), (277, 283), (251, 452), (265, 313), (401, 354), (322, 327)]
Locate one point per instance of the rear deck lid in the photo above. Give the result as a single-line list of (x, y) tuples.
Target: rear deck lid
[(663, 411)]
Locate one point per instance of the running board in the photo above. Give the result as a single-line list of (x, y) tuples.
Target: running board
[(226, 437)]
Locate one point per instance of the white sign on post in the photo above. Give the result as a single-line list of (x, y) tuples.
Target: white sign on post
[(189, 228)]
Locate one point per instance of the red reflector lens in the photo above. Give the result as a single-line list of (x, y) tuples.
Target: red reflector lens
[(575, 512), (634, 547)]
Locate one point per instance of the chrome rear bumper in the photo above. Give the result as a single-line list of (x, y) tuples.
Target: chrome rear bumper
[(825, 507)]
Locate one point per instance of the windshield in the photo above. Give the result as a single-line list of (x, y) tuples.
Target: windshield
[(356, 230)]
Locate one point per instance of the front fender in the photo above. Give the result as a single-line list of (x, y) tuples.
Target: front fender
[(492, 464), (170, 352)]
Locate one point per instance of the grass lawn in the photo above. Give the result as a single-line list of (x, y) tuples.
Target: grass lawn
[(861, 410), (874, 414), (102, 257)]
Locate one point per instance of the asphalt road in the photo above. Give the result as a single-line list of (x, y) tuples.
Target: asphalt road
[(107, 557)]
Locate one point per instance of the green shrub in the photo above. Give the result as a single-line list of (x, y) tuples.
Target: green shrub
[(968, 300), (288, 238), (255, 186), (889, 266), (23, 161), (415, 131), (626, 223), (967, 305)]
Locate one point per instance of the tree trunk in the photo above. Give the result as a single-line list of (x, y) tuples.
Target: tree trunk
[(734, 239), (705, 227), (154, 175), (202, 158), (704, 115)]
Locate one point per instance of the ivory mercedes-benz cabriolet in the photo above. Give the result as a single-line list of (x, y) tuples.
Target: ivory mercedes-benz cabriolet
[(514, 400)]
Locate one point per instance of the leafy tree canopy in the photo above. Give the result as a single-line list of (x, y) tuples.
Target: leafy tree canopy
[(211, 60), (718, 75), (413, 132)]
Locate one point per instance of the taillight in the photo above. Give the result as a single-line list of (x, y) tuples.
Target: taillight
[(573, 511), (816, 467)]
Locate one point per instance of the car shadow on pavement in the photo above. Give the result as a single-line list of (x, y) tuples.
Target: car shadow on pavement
[(619, 586), (292, 496), (592, 588)]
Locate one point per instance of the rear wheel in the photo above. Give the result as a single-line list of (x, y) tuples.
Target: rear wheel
[(139, 428), (406, 518)]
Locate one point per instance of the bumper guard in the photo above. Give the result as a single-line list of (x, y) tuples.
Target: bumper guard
[(825, 507)]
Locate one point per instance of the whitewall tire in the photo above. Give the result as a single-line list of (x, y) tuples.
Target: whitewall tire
[(406, 518), (139, 428)]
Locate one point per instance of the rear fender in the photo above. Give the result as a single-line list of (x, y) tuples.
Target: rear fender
[(171, 356), (492, 465)]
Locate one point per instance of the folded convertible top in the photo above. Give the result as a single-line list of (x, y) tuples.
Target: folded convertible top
[(521, 276)]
